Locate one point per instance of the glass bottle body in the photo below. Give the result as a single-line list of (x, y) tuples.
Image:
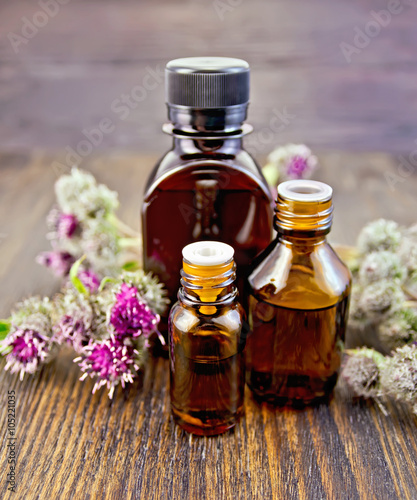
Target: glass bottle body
[(207, 367), (204, 189), (298, 302)]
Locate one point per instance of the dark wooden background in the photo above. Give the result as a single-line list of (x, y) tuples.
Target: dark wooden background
[(359, 117), (67, 76)]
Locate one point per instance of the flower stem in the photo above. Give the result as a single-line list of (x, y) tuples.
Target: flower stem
[(122, 227), (130, 242)]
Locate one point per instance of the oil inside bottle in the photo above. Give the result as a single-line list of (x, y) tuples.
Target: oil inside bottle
[(294, 354), (206, 389)]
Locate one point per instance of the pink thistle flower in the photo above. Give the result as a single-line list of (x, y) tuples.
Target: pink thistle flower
[(297, 167), (292, 161), (90, 280), (29, 349), (110, 362), (66, 226), (58, 261), (75, 324), (130, 315), (73, 331), (62, 225)]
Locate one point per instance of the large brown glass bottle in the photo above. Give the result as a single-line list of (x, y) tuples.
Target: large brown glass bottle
[(207, 187), (298, 302)]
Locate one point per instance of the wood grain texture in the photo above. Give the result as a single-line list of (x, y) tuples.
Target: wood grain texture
[(72, 444), (66, 77)]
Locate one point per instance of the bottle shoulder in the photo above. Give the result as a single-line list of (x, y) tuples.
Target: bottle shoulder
[(213, 337), (188, 320), (311, 276), (174, 169)]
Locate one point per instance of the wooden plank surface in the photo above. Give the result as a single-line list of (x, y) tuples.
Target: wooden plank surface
[(72, 444), (66, 77)]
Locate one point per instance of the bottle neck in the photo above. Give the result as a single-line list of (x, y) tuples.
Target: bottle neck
[(208, 287), (209, 121), (298, 240), (215, 145), (299, 220), (217, 130)]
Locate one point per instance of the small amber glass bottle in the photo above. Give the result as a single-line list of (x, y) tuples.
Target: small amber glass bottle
[(298, 301), (206, 342)]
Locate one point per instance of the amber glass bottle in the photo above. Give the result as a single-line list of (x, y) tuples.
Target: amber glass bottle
[(298, 301), (206, 342), (206, 187)]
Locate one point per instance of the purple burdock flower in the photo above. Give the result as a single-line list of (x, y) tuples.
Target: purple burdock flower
[(90, 280), (29, 349), (66, 226), (72, 330), (62, 225), (110, 362), (75, 324), (58, 261), (130, 315), (297, 167)]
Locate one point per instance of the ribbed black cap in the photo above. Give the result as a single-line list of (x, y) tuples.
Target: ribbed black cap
[(207, 82)]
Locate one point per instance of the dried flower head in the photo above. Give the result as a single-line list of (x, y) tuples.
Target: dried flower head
[(90, 280), (399, 378), (398, 329), (28, 350), (75, 319), (408, 249), (61, 225), (110, 362), (29, 342), (130, 315), (100, 245), (361, 372), (66, 226), (58, 261), (80, 195), (383, 265), (379, 235), (152, 291), (380, 298), (293, 161)]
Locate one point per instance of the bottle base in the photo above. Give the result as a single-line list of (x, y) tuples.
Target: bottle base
[(291, 391), (203, 423)]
